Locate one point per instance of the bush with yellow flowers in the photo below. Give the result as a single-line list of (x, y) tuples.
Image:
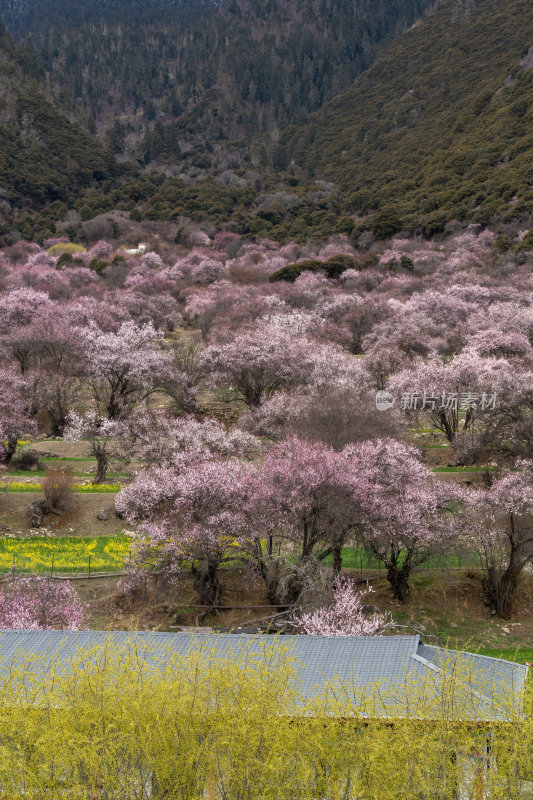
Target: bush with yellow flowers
[(126, 722)]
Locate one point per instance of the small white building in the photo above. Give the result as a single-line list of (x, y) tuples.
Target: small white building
[(142, 247)]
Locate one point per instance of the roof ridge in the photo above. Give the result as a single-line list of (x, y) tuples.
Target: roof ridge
[(426, 663), (475, 655)]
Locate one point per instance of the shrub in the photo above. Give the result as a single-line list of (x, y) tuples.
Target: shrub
[(336, 265), (293, 271), (386, 223), (407, 263), (57, 488), (27, 460), (64, 258), (98, 266), (65, 247), (333, 268), (503, 242), (215, 723), (35, 513), (432, 224), (345, 225)]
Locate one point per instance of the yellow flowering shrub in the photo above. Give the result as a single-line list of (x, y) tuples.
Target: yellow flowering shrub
[(65, 247), (139, 721)]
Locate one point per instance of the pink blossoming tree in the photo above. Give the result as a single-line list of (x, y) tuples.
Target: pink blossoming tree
[(435, 391), (40, 604), (15, 421), (305, 509), (125, 367), (403, 516), (194, 519), (155, 439), (101, 434), (345, 616), (498, 524), (258, 362)]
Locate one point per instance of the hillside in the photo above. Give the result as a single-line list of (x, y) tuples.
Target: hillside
[(440, 127), (196, 84), (43, 157), (22, 15), (437, 128)]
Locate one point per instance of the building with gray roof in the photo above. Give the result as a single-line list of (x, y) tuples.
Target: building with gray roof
[(392, 666)]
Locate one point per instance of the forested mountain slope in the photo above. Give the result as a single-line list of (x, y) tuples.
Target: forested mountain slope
[(200, 78), (44, 158), (441, 126), (21, 16)]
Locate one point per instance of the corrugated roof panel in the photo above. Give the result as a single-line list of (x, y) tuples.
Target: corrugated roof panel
[(498, 675), (354, 661)]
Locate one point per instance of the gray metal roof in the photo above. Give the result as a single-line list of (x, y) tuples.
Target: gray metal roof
[(494, 685), (500, 675), (349, 661)]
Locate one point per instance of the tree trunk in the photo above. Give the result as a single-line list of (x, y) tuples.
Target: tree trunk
[(452, 776), (282, 584), (102, 464), (499, 589), (398, 578), (113, 409), (115, 401), (56, 427), (9, 450), (207, 584), (337, 562), (58, 415), (57, 421), (445, 426), (35, 513)]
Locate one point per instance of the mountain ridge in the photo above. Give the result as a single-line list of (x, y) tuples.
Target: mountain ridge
[(44, 158), (222, 79), (435, 127), (21, 15)]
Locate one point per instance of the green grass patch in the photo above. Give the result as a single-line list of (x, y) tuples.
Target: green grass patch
[(66, 554), (464, 469), (423, 581), (24, 473), (101, 488), (53, 459), (41, 473), (359, 558), (517, 654)]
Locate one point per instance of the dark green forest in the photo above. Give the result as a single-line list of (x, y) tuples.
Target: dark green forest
[(203, 74), (20, 16), (439, 128), (44, 158), (290, 120)]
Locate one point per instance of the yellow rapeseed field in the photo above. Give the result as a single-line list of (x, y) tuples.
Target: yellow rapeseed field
[(65, 554)]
